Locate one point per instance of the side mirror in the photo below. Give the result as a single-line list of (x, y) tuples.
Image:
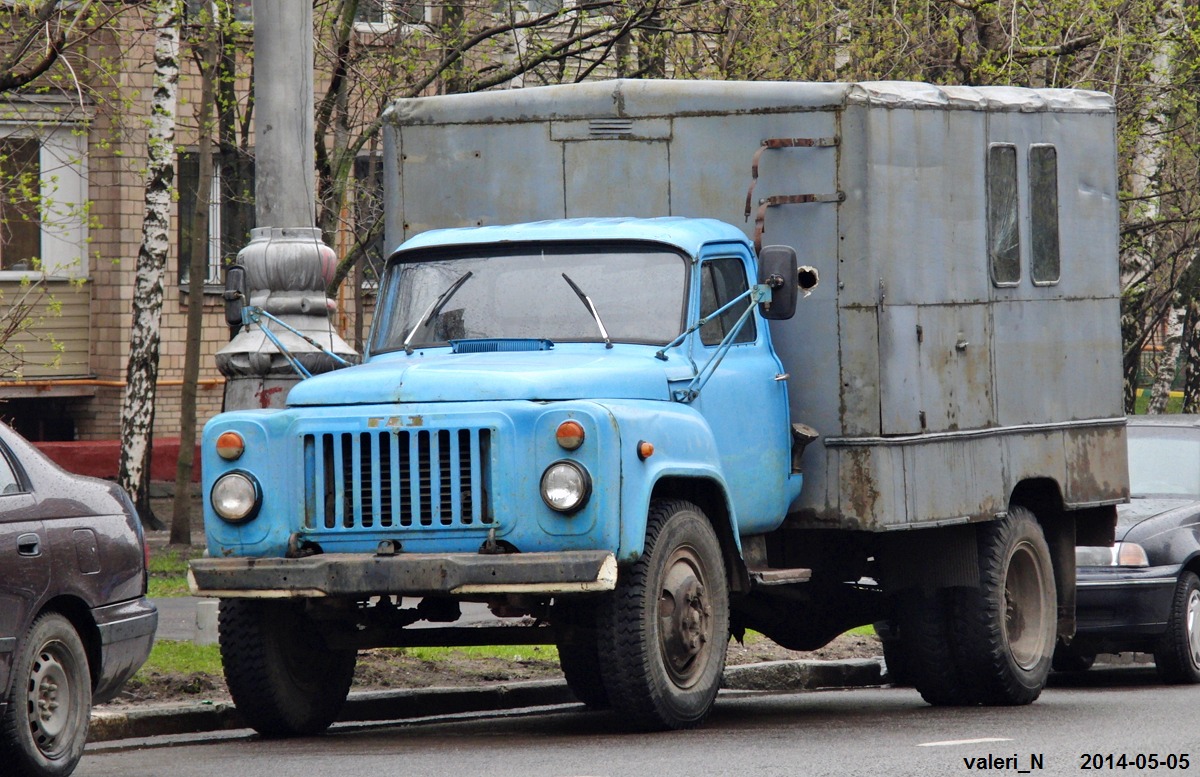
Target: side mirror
[(777, 269), (236, 294)]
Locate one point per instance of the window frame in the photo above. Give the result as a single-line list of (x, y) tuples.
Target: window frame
[(1040, 225), (391, 22), (1012, 208), (749, 333), (63, 230)]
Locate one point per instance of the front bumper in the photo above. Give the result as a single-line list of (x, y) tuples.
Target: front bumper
[(1115, 603), (408, 574), (126, 636)]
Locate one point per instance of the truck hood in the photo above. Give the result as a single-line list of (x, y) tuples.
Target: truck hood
[(441, 376)]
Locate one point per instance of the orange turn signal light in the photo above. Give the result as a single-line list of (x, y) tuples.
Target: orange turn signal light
[(569, 435), (230, 446), (645, 449)]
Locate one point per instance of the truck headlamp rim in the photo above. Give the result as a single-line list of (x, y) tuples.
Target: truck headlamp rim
[(566, 486), (236, 497)]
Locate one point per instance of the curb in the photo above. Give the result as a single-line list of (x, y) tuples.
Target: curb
[(373, 706)]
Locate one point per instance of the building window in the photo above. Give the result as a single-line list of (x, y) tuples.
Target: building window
[(230, 213), (43, 203), (720, 281), (386, 15), (1043, 214), (1004, 242)]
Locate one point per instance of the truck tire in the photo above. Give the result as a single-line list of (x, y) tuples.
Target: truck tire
[(1005, 630), (579, 653), (1177, 655), (930, 661), (284, 679), (895, 653), (45, 726), (663, 633)]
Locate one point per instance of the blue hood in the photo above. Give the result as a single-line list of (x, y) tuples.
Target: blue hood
[(441, 376)]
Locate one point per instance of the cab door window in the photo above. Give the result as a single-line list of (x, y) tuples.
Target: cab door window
[(720, 281)]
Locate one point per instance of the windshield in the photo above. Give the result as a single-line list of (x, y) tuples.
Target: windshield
[(636, 291), (1164, 462)]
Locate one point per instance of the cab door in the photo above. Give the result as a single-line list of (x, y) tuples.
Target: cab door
[(745, 400), (24, 560)]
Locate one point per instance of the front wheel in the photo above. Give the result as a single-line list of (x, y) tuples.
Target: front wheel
[(284, 679), (664, 631), (45, 726), (1177, 655)]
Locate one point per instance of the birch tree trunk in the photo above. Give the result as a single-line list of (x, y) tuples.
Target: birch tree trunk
[(141, 377), (1168, 361), (209, 60)]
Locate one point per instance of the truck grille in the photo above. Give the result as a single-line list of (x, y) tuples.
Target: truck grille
[(419, 479)]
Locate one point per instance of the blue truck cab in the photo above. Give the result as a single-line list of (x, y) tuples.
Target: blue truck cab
[(533, 399)]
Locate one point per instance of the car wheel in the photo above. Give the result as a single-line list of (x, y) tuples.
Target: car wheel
[(664, 631), (1178, 652), (284, 679), (46, 724)]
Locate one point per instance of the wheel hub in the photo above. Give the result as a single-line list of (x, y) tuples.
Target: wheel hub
[(1024, 608), (48, 699), (685, 620), (1193, 627)]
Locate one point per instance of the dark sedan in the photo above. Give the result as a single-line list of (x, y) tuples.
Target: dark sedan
[(1143, 594), (75, 623)]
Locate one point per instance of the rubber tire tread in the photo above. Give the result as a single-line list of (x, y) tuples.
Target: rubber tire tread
[(978, 633), (258, 640), (19, 755), (1172, 655), (631, 667), (580, 664), (933, 666)]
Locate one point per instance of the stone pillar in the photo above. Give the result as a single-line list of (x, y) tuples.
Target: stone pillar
[(287, 263)]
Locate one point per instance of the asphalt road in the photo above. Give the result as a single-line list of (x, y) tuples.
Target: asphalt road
[(859, 732)]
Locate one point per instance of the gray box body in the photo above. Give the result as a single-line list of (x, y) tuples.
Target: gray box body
[(936, 391)]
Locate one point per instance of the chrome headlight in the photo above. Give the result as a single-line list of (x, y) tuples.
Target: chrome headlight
[(565, 486), (236, 497)]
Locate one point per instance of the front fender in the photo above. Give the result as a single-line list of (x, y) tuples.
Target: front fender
[(684, 447)]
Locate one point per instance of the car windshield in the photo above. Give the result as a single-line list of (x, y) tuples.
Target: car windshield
[(636, 291), (1164, 462)]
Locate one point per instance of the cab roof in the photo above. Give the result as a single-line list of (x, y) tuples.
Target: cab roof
[(686, 234)]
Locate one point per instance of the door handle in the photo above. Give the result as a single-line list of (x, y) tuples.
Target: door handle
[(29, 545)]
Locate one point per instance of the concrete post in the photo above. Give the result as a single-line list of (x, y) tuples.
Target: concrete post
[(287, 263)]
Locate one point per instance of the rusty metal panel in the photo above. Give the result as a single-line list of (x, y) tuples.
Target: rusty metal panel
[(872, 484), (623, 178), (475, 174), (975, 467), (859, 371), (1096, 464)]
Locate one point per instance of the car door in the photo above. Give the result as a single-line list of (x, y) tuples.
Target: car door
[(24, 558)]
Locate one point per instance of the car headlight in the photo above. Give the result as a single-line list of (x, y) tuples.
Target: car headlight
[(1122, 554), (236, 497), (565, 486)]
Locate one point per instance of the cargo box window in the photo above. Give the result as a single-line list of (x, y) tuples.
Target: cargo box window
[(720, 281), (1043, 214), (1004, 244)]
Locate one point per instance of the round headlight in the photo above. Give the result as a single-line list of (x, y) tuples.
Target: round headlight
[(236, 497), (565, 486)]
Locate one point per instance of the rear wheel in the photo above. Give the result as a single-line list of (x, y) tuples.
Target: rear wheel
[(1177, 655), (664, 631), (282, 676), (45, 726), (1005, 629)]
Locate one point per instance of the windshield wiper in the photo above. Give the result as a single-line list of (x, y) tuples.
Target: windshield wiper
[(587, 303), (435, 308)]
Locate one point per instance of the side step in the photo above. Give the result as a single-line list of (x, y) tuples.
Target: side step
[(773, 576)]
